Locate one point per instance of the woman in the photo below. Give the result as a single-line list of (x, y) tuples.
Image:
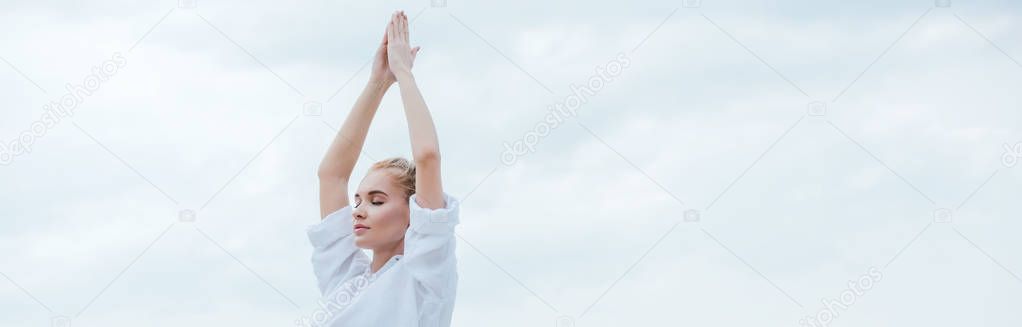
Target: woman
[(400, 212)]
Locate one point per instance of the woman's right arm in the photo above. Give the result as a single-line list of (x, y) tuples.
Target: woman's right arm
[(340, 158), (339, 161), (335, 257)]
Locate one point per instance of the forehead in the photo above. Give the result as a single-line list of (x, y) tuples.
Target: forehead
[(378, 179)]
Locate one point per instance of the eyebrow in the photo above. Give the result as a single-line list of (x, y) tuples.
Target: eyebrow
[(373, 192)]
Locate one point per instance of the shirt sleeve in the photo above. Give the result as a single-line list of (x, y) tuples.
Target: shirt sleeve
[(335, 258), (429, 247)]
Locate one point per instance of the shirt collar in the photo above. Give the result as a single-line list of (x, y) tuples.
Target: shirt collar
[(390, 262)]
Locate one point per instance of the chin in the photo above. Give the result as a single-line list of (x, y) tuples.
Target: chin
[(362, 243)]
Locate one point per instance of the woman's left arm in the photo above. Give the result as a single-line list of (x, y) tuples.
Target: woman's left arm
[(430, 240), (425, 147)]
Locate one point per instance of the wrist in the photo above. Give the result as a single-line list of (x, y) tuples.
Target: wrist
[(404, 76), (379, 84)]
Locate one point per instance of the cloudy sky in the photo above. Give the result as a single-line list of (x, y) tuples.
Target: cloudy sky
[(812, 143)]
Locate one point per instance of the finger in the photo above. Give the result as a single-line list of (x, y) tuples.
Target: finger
[(399, 27), (386, 31), (392, 27), (404, 25)]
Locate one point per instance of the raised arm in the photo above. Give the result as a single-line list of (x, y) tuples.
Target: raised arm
[(425, 147), (340, 159)]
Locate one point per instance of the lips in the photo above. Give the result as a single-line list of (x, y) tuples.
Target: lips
[(360, 229)]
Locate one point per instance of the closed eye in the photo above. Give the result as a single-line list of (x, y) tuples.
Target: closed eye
[(375, 203), (372, 194)]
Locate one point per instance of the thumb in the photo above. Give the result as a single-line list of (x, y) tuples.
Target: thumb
[(415, 52)]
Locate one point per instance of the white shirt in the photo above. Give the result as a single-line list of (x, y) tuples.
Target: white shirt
[(413, 289)]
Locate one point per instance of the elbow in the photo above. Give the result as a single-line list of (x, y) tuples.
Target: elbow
[(323, 172), (428, 155), (326, 179), (329, 174)]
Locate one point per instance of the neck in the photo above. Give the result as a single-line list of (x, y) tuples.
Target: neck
[(383, 254)]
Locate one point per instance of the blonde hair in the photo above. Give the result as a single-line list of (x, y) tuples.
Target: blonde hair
[(403, 171)]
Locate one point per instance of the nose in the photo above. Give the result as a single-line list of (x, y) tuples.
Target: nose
[(358, 214)]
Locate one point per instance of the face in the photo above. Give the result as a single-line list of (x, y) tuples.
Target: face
[(380, 205)]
